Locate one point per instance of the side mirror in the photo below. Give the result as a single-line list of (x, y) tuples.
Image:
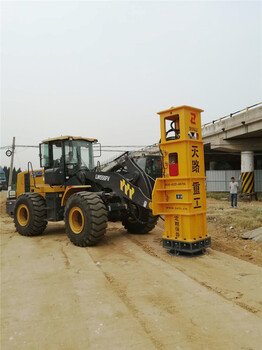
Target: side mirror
[(98, 166)]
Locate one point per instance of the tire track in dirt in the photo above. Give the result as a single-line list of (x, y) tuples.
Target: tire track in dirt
[(66, 258), (160, 296), (234, 299), (161, 305), (121, 293), (219, 291), (131, 307)]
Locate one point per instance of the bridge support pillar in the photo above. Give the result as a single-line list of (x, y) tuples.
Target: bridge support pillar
[(247, 174)]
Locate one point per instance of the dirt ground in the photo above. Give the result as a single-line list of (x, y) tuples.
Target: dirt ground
[(128, 293), (226, 225)]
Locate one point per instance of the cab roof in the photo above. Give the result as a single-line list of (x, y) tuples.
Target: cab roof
[(69, 138)]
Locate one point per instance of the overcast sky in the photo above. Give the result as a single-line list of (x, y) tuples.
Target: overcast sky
[(104, 69)]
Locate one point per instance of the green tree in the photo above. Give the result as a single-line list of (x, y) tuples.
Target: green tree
[(14, 175)]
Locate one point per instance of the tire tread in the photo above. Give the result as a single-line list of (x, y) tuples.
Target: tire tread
[(97, 214), (37, 216)]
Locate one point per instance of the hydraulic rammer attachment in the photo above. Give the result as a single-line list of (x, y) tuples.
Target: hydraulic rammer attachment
[(180, 195)]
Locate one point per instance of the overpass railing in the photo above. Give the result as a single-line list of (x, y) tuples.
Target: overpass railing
[(231, 114)]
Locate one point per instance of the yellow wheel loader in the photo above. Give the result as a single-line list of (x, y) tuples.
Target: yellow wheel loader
[(70, 187)]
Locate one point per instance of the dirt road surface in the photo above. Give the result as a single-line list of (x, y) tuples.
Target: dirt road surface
[(125, 293)]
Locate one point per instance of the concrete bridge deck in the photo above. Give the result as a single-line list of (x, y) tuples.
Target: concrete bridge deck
[(242, 132)]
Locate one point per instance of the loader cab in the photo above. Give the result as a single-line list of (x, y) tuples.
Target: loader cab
[(64, 158), (151, 164)]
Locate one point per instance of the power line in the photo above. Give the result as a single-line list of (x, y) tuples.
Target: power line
[(19, 146), (126, 146), (134, 146), (104, 146)]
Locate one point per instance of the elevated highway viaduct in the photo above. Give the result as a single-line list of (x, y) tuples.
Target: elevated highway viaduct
[(238, 132)]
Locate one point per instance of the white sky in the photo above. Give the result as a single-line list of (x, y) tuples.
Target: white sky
[(104, 69)]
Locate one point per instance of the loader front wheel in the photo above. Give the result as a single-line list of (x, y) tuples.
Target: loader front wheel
[(85, 218), (143, 223), (30, 214)]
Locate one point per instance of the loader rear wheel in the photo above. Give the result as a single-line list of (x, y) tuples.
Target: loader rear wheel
[(85, 218), (30, 214), (144, 222)]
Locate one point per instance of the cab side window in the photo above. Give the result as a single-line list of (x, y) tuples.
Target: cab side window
[(45, 158)]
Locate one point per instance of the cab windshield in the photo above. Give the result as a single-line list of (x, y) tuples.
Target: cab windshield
[(79, 152)]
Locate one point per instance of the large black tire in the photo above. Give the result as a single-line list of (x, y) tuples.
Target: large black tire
[(30, 214), (134, 226), (85, 218)]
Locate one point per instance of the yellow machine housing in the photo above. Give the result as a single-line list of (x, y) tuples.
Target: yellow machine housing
[(180, 194), (37, 185)]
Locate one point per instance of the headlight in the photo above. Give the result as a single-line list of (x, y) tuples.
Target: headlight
[(12, 194)]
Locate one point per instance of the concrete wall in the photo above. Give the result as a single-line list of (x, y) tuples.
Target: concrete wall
[(218, 180)]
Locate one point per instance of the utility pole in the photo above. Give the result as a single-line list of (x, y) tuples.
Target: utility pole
[(11, 168)]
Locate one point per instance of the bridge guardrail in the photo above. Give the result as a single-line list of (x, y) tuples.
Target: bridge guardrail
[(231, 115)]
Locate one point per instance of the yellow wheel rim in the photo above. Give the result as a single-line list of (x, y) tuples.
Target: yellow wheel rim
[(76, 220), (22, 215)]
